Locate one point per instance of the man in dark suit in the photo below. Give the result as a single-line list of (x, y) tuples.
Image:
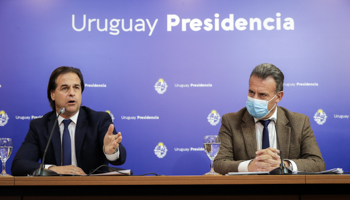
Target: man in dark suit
[(248, 137), (82, 140)]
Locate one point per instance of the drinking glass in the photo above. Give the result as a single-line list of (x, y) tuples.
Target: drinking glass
[(211, 147), (5, 152)]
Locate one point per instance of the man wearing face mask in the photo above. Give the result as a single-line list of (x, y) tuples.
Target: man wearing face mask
[(248, 137)]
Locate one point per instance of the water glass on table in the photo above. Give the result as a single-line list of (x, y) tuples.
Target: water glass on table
[(211, 146), (5, 152)]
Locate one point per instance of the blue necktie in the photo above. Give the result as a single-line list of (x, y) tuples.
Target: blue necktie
[(265, 138), (66, 144)]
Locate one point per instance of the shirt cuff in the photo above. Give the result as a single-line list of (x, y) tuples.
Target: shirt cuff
[(292, 165), (48, 166), (243, 166), (113, 156)]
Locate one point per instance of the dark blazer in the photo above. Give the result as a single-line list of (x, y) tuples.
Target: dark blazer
[(90, 131), (238, 141)]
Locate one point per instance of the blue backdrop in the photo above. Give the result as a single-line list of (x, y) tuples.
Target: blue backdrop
[(168, 70)]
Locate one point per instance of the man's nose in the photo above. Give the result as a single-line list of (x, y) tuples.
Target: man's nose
[(71, 91)]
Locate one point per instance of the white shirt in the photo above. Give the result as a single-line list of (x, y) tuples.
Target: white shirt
[(71, 128), (243, 166)]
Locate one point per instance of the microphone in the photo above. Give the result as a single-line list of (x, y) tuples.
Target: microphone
[(282, 169), (42, 171)]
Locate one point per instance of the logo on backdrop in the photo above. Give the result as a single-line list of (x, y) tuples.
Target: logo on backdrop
[(320, 117), (17, 117), (298, 84), (4, 118), (188, 149), (193, 85), (112, 116), (160, 86), (341, 116), (138, 117), (213, 118), (95, 85), (160, 150)]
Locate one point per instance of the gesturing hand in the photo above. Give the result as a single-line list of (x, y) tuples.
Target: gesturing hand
[(111, 142)]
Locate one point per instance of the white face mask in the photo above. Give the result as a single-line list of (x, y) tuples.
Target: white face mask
[(258, 108)]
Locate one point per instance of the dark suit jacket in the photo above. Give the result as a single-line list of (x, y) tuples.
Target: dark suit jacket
[(90, 131), (238, 141)]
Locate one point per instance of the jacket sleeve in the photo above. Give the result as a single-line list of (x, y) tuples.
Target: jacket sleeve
[(28, 155), (310, 158), (225, 160)]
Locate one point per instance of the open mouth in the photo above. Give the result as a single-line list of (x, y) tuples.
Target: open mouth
[(72, 101)]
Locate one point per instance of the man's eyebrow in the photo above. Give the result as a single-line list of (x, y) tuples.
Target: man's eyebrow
[(262, 93), (63, 85)]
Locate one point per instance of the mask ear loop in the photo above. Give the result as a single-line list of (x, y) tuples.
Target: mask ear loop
[(272, 107), (272, 98)]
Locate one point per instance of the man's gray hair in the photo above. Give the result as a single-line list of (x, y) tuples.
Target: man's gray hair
[(265, 70)]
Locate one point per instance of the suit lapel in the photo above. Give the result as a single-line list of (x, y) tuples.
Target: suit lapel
[(249, 134), (80, 132), (284, 132), (56, 138)]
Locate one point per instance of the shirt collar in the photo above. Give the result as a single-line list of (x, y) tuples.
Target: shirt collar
[(74, 118)]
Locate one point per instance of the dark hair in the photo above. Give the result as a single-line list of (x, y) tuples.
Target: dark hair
[(265, 70), (53, 85)]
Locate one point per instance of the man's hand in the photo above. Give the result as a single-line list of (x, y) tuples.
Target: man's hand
[(265, 160), (67, 169), (111, 142)]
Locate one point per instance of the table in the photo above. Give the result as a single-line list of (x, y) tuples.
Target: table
[(7, 181), (176, 187)]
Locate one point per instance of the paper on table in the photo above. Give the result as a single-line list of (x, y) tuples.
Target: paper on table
[(246, 173), (115, 173), (330, 171)]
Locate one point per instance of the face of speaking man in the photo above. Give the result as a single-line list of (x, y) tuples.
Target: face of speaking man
[(67, 94), (264, 89)]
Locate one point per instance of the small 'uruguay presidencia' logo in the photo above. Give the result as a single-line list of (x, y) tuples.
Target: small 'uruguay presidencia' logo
[(160, 150), (4, 118), (160, 86), (213, 118), (320, 117)]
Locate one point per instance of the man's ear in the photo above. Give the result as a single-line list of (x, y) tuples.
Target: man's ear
[(279, 96), (52, 95)]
